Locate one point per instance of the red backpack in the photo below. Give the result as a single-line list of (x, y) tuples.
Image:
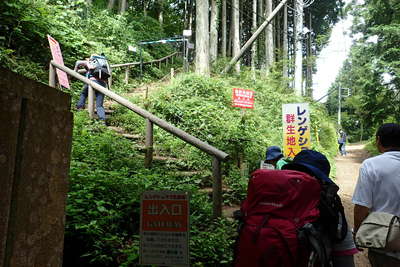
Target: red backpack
[(278, 204)]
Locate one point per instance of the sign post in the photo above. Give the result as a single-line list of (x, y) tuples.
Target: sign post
[(164, 228), (57, 57), (296, 128), (243, 99)]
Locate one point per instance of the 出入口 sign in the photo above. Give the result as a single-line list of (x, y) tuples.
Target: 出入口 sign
[(57, 57), (296, 128), (164, 228), (242, 98)]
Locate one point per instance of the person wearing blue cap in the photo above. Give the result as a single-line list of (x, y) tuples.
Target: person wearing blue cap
[(275, 157)]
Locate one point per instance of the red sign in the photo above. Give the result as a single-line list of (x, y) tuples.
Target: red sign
[(164, 228), (165, 215), (57, 57), (243, 98)]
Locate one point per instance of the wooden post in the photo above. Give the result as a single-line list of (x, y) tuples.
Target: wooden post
[(52, 76), (149, 144), (172, 73), (159, 64), (217, 188), (127, 74), (90, 102)]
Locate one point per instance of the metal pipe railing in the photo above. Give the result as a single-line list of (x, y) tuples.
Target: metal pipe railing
[(151, 119), (128, 66)]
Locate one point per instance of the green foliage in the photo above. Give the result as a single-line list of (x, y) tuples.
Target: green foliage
[(202, 107), (80, 30), (106, 181)]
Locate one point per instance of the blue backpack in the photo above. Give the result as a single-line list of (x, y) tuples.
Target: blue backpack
[(99, 67)]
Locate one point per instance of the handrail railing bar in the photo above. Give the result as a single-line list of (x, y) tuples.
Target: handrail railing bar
[(144, 113), (147, 62)]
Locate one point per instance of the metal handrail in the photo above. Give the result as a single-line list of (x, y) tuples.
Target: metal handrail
[(147, 62), (217, 154), (127, 66)]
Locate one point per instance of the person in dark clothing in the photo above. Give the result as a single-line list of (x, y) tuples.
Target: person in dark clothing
[(88, 66)]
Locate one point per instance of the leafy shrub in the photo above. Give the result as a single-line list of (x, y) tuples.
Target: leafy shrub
[(106, 181)]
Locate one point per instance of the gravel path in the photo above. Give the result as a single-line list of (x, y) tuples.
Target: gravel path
[(346, 177)]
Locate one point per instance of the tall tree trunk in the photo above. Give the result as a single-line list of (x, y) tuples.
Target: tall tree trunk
[(122, 7), (309, 80), (202, 38), (161, 12), (224, 33), (285, 43), (144, 8), (269, 38), (236, 37), (298, 75), (230, 39), (111, 4), (278, 35), (214, 30), (254, 45), (260, 41)]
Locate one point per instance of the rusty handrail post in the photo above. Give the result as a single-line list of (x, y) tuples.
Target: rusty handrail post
[(90, 101), (149, 144), (217, 188), (52, 75)]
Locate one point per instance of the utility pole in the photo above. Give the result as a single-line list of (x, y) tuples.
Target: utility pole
[(298, 73), (346, 94), (339, 117)]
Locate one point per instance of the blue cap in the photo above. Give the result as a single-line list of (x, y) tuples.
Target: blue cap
[(273, 153), (311, 161)]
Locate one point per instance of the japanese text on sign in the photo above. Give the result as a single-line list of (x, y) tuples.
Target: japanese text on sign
[(296, 128), (164, 227), (57, 57), (242, 98)]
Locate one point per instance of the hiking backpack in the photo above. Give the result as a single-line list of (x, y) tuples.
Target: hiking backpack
[(99, 67), (281, 221)]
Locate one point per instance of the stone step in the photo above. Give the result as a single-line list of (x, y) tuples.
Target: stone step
[(209, 190), (157, 157)]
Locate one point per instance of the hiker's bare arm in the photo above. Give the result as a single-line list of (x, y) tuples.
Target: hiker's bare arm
[(360, 213), (80, 63)]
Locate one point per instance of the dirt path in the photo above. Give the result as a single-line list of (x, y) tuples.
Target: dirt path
[(346, 177)]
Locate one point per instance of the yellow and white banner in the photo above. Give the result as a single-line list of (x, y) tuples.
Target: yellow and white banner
[(296, 128)]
